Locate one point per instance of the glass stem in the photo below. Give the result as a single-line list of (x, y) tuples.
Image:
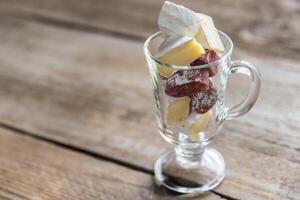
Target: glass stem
[(187, 157)]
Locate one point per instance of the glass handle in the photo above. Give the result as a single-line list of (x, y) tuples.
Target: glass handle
[(243, 67)]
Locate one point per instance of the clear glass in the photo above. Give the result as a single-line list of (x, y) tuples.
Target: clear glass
[(190, 120)]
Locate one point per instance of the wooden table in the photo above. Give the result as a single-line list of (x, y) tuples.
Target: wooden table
[(76, 112)]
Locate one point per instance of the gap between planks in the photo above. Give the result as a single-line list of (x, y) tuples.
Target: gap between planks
[(91, 154), (47, 20)]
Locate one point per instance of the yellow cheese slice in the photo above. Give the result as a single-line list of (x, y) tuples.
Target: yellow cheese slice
[(199, 125), (181, 55), (178, 110)]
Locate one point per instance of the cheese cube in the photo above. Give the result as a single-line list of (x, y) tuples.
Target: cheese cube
[(208, 35), (184, 54), (199, 125), (178, 110)]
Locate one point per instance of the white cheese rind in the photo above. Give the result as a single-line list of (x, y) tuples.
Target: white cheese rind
[(178, 20)]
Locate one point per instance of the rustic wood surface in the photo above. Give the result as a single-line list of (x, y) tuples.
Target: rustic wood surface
[(69, 73), (35, 169)]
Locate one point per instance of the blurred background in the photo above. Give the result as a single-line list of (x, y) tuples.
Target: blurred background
[(73, 74), (269, 26)]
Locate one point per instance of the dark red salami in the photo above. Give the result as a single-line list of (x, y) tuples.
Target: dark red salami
[(208, 57), (187, 82), (203, 101)]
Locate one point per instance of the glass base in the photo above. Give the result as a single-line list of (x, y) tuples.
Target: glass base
[(196, 174)]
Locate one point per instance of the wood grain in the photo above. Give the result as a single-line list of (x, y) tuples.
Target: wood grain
[(93, 92), (268, 27), (31, 169)]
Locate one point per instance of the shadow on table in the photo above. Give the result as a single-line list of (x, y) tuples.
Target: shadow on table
[(164, 193)]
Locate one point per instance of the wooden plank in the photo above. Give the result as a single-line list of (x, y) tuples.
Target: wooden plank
[(268, 27), (32, 169), (81, 93)]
